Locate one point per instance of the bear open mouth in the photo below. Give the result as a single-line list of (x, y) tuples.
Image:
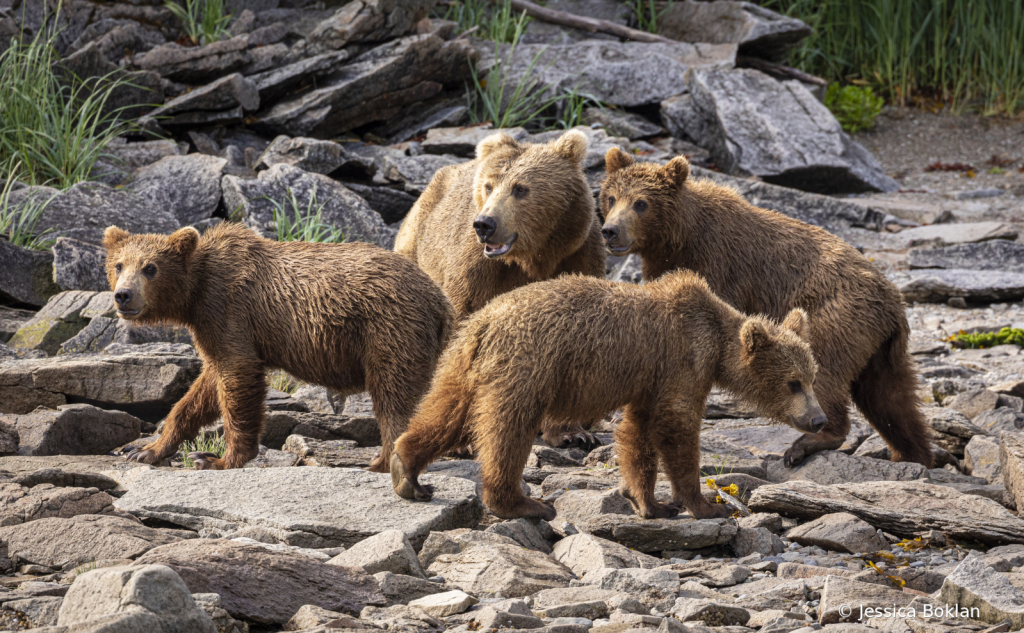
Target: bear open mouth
[(615, 250), (497, 250)]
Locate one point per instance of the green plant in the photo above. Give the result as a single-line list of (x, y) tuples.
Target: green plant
[(571, 106), (953, 51), (855, 107), (297, 224), (497, 23), (204, 21), (980, 340), (646, 13), (205, 443), (18, 221), (283, 381), (54, 126)]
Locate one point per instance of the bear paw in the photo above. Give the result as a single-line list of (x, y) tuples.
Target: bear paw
[(143, 455), (712, 511), (794, 456), (204, 461), (581, 439), (405, 487)]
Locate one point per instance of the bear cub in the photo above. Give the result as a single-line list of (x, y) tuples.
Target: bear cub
[(346, 316), (579, 348)]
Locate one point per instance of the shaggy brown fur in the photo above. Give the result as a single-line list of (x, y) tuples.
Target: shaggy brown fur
[(579, 348), (346, 316), (762, 262), (539, 203)]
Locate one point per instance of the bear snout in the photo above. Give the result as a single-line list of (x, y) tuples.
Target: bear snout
[(610, 232), (818, 422), (123, 297), (484, 227)]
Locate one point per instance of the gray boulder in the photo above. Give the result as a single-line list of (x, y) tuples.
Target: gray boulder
[(261, 585), (759, 32), (961, 233), (753, 124), (73, 429), (975, 585), (60, 319), (936, 285), (187, 186), (833, 467), (79, 265), (389, 550), (26, 275), (999, 254), (307, 154), (1002, 419), (341, 208), (981, 458), (22, 504), (510, 571), (276, 82), (842, 532), (310, 507), (369, 21), (584, 553)]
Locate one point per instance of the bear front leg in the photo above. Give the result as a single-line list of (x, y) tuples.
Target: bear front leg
[(243, 390), (678, 445), (198, 408), (638, 462)]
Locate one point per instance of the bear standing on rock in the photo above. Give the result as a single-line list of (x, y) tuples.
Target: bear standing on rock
[(346, 316), (762, 262), (580, 348), (517, 214)]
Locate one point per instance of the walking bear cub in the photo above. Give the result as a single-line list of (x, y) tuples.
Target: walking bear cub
[(346, 316), (517, 214), (762, 262), (579, 348)]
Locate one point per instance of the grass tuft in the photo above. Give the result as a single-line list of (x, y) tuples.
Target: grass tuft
[(205, 443), (297, 224), (855, 107), (492, 21), (18, 221), (646, 13), (283, 381), (204, 21)]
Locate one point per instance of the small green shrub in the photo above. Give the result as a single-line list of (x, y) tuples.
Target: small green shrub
[(204, 21), (855, 107), (18, 222), (297, 224), (981, 340), (205, 443), (493, 21)]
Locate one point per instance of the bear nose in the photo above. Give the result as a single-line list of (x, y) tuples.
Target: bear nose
[(818, 422), (484, 226), (610, 232), (123, 296)]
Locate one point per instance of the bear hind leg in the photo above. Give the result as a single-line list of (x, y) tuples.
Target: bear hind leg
[(503, 441), (638, 461)]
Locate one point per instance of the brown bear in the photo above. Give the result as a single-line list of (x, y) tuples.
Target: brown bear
[(578, 348), (762, 262), (346, 316), (517, 214)]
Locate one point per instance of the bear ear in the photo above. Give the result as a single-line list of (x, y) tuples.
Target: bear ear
[(677, 170), (616, 159), (493, 143), (572, 146), (799, 323), (113, 236), (754, 336), (184, 240)]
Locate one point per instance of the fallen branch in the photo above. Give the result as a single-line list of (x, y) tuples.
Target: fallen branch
[(583, 23), (779, 71)]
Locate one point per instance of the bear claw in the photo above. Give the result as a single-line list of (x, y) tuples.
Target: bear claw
[(203, 461), (406, 488), (586, 441), (140, 455)]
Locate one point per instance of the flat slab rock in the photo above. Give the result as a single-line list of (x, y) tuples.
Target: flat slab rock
[(904, 508), (939, 285), (316, 507)]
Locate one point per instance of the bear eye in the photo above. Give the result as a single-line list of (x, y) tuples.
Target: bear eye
[(795, 386), (611, 201), (488, 188), (149, 270), (640, 206), (519, 191), (118, 268)]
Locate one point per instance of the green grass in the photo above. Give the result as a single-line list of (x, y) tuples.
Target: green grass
[(203, 444), (981, 340), (646, 13), (964, 53), (855, 107), (18, 222), (203, 21), (571, 107), (53, 126), (496, 23), (296, 223), (283, 381)]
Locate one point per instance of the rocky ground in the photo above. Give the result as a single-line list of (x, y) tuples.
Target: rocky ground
[(356, 113)]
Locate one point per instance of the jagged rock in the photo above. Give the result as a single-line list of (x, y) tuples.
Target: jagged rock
[(68, 542), (961, 233), (584, 553), (414, 172), (998, 420), (361, 429), (753, 124), (308, 154), (113, 37), (758, 32), (1011, 462), (442, 605), (903, 508), (26, 275), (132, 598), (619, 73), (994, 254), (373, 87), (79, 265), (389, 550), (419, 120), (952, 429), (60, 319), (625, 124), (187, 186), (144, 380), (226, 93), (35, 612), (652, 587), (577, 602), (711, 573), (340, 208), (42, 501), (756, 540), (263, 586), (329, 453), (629, 270), (833, 467), (210, 602), (65, 479), (462, 141), (9, 437), (401, 617), (937, 285), (841, 532), (975, 585), (522, 531), (274, 83), (973, 402), (11, 320), (310, 616), (73, 429), (709, 612), (981, 458), (313, 507), (501, 569), (841, 595), (369, 21), (392, 205), (102, 332), (198, 64)]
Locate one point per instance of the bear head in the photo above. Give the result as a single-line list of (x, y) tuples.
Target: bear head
[(528, 196), (636, 198), (148, 272), (778, 370)]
